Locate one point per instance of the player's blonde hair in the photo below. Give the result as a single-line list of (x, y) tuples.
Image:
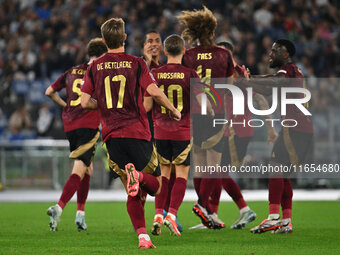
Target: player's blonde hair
[(199, 25), (113, 31)]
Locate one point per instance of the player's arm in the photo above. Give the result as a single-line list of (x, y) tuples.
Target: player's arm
[(161, 99), (87, 89), (148, 103), (263, 105), (87, 102), (263, 84), (51, 93), (210, 110)]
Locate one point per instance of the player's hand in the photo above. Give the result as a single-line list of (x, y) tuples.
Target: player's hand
[(272, 136), (246, 72), (175, 115), (148, 52)]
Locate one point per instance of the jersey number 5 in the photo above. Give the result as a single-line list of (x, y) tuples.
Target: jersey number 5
[(76, 89), (171, 90), (122, 80)]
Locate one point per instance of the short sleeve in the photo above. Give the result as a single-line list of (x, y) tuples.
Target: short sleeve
[(88, 82), (146, 78), (60, 83)]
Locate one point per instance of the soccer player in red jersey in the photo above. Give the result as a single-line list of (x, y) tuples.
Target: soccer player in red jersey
[(81, 127), (152, 48), (237, 138), (172, 137), (209, 61), (294, 145), (118, 81)]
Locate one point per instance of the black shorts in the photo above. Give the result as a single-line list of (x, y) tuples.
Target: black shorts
[(83, 142), (139, 152), (173, 152), (293, 147), (205, 136), (234, 150)]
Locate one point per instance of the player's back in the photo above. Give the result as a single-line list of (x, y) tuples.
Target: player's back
[(174, 81), (119, 81), (304, 122), (214, 62), (74, 116)]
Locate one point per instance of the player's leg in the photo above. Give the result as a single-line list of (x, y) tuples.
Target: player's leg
[(161, 199), (279, 156), (141, 156), (82, 193), (170, 185), (202, 187), (214, 199), (286, 204), (207, 184), (246, 214), (70, 187), (79, 139), (177, 195)]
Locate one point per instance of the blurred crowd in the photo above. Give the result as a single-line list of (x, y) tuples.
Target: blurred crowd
[(39, 40)]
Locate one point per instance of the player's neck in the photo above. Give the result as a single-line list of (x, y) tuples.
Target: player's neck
[(175, 60), (117, 50), (155, 59), (287, 61), (91, 60)]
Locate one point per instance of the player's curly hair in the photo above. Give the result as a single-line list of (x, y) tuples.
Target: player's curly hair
[(199, 25)]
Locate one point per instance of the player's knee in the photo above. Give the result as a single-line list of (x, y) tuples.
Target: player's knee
[(89, 170)]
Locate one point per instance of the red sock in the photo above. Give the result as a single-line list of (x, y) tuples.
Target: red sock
[(136, 212), (82, 192), (177, 195), (149, 183), (215, 197), (233, 190), (70, 187), (143, 196), (286, 201), (162, 196), (276, 186), (197, 185), (206, 187), (170, 185)]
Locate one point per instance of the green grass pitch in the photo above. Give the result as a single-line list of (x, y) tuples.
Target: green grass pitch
[(24, 230)]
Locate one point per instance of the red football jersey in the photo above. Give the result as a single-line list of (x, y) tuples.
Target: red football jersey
[(305, 124), (174, 81), (74, 116), (214, 62), (118, 80)]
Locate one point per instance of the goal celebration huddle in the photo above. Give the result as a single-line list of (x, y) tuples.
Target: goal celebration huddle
[(149, 116)]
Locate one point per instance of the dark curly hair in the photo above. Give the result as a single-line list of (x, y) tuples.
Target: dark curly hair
[(199, 25)]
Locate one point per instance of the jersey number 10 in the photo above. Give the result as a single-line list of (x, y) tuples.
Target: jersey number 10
[(170, 94)]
